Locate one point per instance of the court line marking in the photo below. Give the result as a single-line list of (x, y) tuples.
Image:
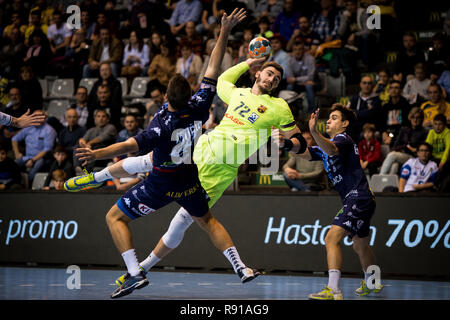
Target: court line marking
[(176, 284), (264, 283), (27, 285), (294, 284), (205, 283), (234, 284), (56, 285)]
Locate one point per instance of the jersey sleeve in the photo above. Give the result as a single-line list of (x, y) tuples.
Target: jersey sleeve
[(406, 170), (343, 143), (316, 153), (226, 81), (287, 121), (204, 96), (5, 119), (150, 138)]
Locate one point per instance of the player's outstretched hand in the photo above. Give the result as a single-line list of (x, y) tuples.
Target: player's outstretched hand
[(228, 22), (277, 137), (256, 61), (85, 154), (313, 121), (27, 119)]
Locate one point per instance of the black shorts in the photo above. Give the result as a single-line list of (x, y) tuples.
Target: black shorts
[(355, 216)]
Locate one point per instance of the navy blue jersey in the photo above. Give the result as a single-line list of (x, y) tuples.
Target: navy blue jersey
[(171, 136), (344, 169)]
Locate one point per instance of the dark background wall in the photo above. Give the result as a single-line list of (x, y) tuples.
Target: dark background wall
[(410, 234)]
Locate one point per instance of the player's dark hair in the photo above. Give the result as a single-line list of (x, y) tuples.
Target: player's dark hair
[(426, 144), (273, 64), (347, 113), (178, 92), (59, 149)]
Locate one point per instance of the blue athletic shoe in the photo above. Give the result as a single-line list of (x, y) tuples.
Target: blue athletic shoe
[(131, 282)]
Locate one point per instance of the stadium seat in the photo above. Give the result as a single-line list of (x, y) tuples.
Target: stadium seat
[(124, 83), (88, 83), (138, 87), (44, 87), (39, 180), (379, 181), (62, 88), (57, 108), (336, 86)]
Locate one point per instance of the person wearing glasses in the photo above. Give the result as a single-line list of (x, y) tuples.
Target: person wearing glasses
[(419, 174)]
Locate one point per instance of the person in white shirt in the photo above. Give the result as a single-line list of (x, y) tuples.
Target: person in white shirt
[(419, 174), (59, 35), (416, 89), (136, 56)]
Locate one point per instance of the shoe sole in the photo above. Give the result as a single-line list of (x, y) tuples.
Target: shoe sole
[(125, 292), (255, 275)]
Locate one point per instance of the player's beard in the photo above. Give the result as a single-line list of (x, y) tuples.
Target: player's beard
[(261, 87)]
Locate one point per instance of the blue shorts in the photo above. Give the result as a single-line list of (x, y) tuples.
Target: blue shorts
[(145, 198), (355, 216)]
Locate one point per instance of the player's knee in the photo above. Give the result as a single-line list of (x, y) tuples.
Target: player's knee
[(178, 226), (114, 215)]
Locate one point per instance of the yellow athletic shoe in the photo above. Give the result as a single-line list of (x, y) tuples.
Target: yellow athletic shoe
[(120, 280), (83, 182), (364, 291), (326, 294)]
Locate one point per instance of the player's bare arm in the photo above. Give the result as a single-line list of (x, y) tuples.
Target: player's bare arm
[(117, 149), (298, 143), (325, 144)]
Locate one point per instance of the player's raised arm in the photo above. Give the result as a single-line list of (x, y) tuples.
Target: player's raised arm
[(325, 144), (227, 24), (116, 149), (291, 141)]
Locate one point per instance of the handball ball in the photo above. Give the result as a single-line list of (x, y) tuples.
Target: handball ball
[(259, 47)]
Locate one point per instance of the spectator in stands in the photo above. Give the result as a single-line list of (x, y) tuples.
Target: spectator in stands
[(38, 53), (435, 105), (163, 66), (131, 128), (45, 10), (326, 21), (105, 102), (416, 88), (10, 177), (80, 107), (58, 178), (305, 33), (16, 22), (105, 49), (101, 22), (185, 11), (189, 65), (304, 175), (438, 56), (88, 26), (77, 54), (300, 73), (136, 56), (264, 28), (287, 21), (354, 32), (419, 174), (69, 135), (369, 149), (268, 8), (381, 88), (30, 88), (62, 162), (367, 106), (439, 138), (243, 49), (157, 96), (155, 45), (193, 38), (14, 108), (35, 24), (11, 54), (100, 136), (278, 54), (407, 58), (394, 113), (406, 143), (38, 141), (444, 82), (59, 35)]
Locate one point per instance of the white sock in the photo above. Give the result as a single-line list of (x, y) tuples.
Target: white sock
[(103, 175), (333, 279), (131, 262), (233, 256), (150, 261)]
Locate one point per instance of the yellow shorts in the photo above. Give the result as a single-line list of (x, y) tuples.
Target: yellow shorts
[(214, 176)]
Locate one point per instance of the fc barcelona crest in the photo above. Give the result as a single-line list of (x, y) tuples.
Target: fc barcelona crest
[(261, 109)]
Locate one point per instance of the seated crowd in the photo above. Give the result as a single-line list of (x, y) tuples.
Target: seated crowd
[(402, 107)]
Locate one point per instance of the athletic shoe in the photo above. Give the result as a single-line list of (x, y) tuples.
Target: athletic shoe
[(247, 274), (120, 280), (83, 182), (364, 291), (326, 294), (131, 282)]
